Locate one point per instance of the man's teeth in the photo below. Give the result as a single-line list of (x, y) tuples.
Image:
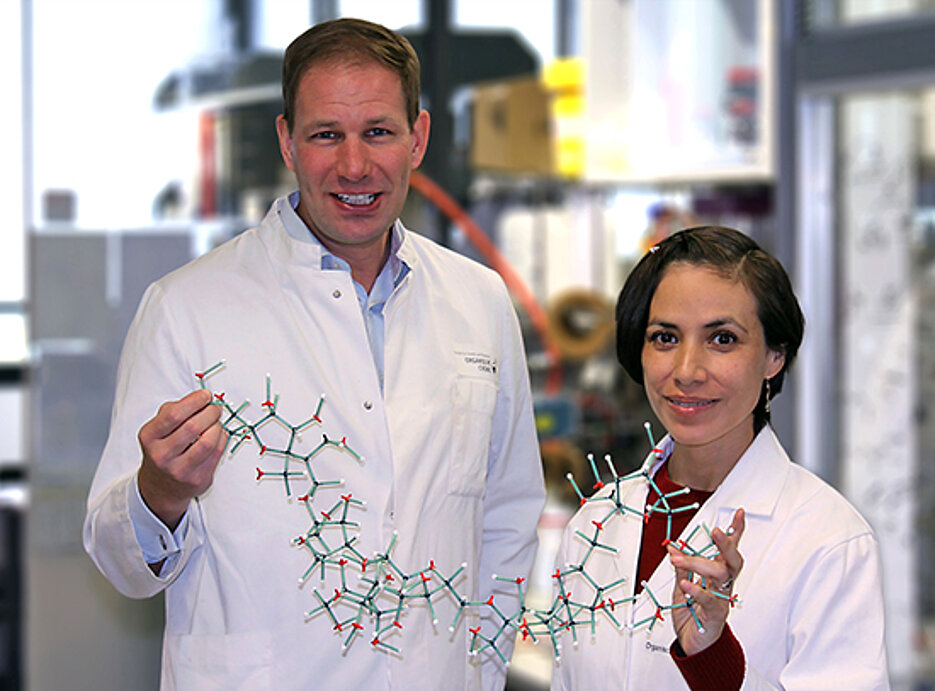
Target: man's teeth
[(357, 199)]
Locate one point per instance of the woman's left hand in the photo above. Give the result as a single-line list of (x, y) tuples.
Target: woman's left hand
[(711, 588)]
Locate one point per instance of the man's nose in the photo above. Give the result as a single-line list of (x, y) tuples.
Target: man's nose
[(353, 160)]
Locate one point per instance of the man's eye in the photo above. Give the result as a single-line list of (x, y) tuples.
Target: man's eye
[(377, 132), (322, 135)]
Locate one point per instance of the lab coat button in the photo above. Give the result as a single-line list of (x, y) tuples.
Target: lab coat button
[(368, 405), (336, 294)]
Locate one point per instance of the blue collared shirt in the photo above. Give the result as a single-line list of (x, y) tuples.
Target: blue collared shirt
[(372, 305)]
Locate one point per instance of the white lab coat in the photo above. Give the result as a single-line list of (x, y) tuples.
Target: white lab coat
[(450, 460), (811, 611)]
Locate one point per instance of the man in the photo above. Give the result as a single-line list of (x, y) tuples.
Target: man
[(354, 329)]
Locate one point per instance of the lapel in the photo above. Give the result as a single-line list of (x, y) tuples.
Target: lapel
[(754, 484)]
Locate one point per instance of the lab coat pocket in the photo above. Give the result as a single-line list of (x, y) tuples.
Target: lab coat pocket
[(219, 661), (472, 401)]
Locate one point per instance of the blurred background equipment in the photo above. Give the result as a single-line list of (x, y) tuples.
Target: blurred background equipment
[(568, 136), (582, 323)]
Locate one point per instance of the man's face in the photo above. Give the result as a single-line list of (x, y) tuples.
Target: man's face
[(352, 151)]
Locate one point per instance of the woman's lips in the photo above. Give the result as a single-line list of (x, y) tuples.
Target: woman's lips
[(690, 405)]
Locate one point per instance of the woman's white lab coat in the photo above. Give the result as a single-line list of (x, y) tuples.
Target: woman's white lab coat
[(811, 610)]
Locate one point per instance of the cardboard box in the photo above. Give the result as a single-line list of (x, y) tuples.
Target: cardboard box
[(512, 127)]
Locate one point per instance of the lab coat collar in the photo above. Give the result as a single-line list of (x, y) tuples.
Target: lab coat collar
[(293, 242), (405, 248), (754, 483)]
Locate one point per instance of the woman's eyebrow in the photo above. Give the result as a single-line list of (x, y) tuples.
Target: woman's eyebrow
[(725, 321)]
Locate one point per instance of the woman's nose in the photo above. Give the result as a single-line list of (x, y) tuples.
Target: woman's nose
[(689, 363)]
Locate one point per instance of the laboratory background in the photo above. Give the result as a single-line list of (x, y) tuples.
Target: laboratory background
[(567, 137)]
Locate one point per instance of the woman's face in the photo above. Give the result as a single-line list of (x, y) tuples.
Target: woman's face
[(704, 360)]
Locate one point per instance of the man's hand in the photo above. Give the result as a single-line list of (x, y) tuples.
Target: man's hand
[(712, 600), (181, 446)]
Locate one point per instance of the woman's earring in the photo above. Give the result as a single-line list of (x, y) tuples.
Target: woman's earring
[(766, 407)]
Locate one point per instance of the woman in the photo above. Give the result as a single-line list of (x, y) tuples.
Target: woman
[(707, 322)]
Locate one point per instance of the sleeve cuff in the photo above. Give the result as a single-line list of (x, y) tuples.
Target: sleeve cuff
[(719, 667), (156, 541)]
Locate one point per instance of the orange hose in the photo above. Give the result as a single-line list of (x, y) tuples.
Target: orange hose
[(457, 215)]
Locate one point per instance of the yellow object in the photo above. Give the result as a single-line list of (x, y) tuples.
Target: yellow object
[(564, 78), (564, 74)]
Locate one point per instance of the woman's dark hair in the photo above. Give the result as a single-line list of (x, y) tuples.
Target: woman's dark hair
[(734, 256)]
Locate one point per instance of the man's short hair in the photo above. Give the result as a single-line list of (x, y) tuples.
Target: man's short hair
[(351, 40)]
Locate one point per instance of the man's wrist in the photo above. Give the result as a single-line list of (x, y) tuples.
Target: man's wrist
[(169, 511), (158, 543)]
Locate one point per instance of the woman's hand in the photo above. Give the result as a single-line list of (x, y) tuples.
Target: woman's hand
[(710, 588)]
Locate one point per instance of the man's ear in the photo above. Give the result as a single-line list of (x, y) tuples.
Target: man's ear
[(285, 142), (420, 137)]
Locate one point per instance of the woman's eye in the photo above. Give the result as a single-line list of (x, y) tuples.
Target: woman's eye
[(724, 338), (662, 337)]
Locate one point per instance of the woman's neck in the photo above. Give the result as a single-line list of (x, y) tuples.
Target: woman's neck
[(705, 467)]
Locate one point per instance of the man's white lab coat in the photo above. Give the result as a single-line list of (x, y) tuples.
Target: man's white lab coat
[(811, 609), (450, 460)]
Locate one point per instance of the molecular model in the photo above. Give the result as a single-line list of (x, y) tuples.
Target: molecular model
[(375, 593)]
